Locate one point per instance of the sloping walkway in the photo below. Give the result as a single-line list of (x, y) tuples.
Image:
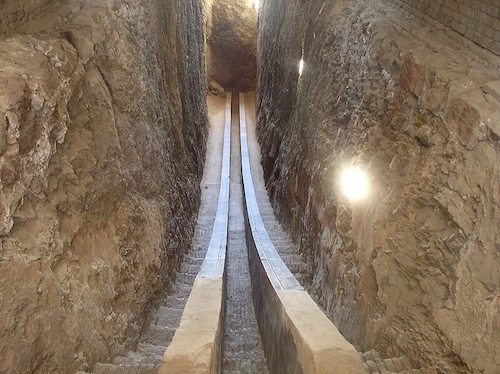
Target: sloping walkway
[(163, 322), (288, 250), (374, 363)]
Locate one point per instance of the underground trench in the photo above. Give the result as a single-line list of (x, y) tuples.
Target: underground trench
[(250, 319), (372, 139), (235, 306), (242, 349)]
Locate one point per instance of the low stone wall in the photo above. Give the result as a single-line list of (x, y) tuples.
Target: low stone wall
[(277, 338), (197, 343)]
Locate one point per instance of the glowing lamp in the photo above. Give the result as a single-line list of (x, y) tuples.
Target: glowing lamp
[(354, 183), (301, 66)]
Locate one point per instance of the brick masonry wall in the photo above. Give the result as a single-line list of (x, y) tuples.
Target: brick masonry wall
[(477, 20)]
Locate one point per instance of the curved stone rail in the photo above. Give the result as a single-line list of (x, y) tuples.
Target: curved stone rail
[(196, 345), (297, 336)]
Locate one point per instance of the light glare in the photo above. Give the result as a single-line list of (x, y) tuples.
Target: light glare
[(354, 183), (256, 5), (301, 66)]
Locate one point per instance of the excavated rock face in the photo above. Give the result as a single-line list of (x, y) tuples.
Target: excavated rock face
[(233, 44), (414, 268), (35, 116), (21, 11), (102, 137)]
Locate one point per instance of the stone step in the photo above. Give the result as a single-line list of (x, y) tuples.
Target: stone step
[(151, 351), (140, 357), (374, 363), (166, 315), (296, 267), (176, 301), (191, 265), (199, 253), (181, 290), (370, 355), (126, 369), (191, 259), (278, 236), (275, 227), (185, 278), (159, 335), (302, 278), (284, 244)]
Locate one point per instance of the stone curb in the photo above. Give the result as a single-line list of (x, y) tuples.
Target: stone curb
[(197, 344)]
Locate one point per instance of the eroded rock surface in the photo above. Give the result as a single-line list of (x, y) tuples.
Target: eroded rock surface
[(35, 116), (102, 138), (414, 269), (233, 44)]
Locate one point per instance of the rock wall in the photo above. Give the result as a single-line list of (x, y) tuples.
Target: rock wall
[(233, 45), (102, 141), (414, 268), (21, 11)]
